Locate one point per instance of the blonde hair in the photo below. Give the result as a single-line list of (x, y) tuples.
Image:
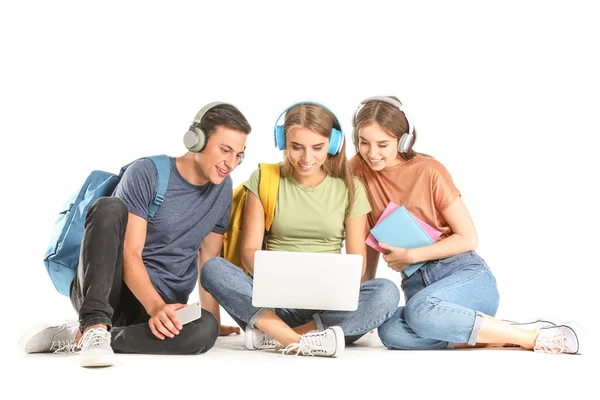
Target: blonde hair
[(389, 118), (322, 121)]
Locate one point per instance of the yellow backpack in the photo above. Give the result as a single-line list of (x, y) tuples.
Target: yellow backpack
[(267, 188)]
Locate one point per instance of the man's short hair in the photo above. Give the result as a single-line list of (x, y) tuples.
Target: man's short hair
[(224, 115)]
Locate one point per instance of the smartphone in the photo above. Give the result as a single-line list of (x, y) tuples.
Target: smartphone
[(189, 313)]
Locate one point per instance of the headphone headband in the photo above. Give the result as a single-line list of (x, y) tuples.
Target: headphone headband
[(383, 99), (336, 139), (205, 109), (309, 102)]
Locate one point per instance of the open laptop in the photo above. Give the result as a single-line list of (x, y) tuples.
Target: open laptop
[(311, 281)]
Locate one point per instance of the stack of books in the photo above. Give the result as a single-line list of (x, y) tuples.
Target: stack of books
[(399, 228)]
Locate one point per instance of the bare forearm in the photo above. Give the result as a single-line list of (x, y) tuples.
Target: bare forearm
[(356, 232), (248, 259), (137, 279), (448, 247), (371, 264)]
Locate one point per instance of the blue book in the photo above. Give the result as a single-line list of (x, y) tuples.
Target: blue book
[(400, 229)]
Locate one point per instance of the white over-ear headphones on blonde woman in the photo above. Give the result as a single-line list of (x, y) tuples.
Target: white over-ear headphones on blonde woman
[(405, 140)]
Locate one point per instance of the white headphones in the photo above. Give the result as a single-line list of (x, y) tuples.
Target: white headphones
[(405, 140), (195, 138)]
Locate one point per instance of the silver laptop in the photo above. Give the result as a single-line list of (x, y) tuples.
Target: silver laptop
[(312, 281)]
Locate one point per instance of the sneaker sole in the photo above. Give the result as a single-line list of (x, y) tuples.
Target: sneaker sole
[(97, 361), (29, 334)]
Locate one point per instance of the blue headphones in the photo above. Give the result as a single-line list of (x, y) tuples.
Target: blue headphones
[(336, 139)]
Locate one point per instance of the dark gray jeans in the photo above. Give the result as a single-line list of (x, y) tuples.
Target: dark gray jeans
[(100, 296)]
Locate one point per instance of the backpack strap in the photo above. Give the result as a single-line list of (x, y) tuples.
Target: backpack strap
[(163, 166), (268, 188)]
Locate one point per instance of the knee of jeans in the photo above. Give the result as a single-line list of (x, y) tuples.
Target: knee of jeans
[(107, 211), (200, 336), (212, 272), (387, 297), (417, 315)]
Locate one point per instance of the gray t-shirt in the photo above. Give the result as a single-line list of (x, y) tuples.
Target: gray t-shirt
[(173, 237)]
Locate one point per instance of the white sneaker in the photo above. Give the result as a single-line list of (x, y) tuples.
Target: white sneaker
[(256, 339), (327, 343), (557, 340), (44, 338), (95, 349), (533, 325)]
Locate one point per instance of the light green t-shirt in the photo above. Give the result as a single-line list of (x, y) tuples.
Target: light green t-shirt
[(311, 219)]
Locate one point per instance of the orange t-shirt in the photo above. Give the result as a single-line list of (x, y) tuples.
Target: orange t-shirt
[(422, 185)]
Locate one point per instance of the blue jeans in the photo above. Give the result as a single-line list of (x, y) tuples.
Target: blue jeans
[(445, 303), (232, 289)]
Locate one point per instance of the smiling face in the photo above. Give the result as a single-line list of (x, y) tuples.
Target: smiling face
[(378, 147), (223, 152), (306, 152)]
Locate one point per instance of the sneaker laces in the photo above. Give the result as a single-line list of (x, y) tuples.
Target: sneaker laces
[(64, 346), (555, 344), (267, 340), (297, 348), (309, 344), (93, 338)]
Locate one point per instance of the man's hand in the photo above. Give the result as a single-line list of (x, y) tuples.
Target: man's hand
[(164, 322), (397, 258), (228, 330)]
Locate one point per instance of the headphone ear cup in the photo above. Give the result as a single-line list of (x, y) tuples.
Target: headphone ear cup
[(190, 139), (201, 139), (280, 137), (405, 142), (242, 156), (335, 142), (194, 140)]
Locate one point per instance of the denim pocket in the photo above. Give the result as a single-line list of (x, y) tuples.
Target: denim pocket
[(446, 266), (453, 259)]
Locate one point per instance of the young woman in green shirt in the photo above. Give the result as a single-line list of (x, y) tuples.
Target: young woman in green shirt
[(319, 205)]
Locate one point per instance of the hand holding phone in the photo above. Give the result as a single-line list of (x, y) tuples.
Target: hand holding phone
[(189, 313)]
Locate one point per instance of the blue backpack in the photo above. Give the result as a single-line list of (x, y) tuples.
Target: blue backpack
[(62, 256)]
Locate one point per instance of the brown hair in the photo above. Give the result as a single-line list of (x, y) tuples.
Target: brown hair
[(321, 121), (389, 118)]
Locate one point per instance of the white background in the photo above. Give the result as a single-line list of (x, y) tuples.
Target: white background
[(505, 95)]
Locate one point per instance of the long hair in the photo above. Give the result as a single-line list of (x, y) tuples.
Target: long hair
[(320, 121)]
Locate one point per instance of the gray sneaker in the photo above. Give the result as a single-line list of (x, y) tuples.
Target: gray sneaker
[(44, 338), (255, 339), (327, 343), (557, 340), (95, 349), (533, 325)]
